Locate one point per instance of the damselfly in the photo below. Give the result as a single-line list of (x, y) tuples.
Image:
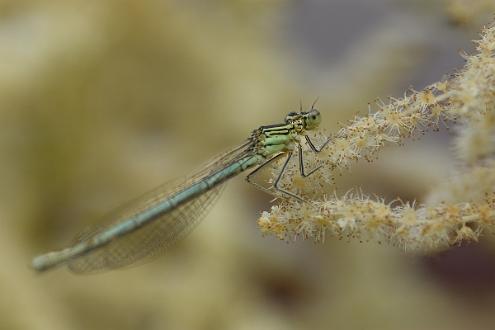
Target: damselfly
[(150, 224)]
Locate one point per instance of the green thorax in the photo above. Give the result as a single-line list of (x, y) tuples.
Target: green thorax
[(274, 139)]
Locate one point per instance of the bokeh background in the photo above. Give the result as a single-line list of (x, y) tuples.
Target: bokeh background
[(103, 100)]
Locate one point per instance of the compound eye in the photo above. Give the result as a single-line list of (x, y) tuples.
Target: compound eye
[(313, 119)]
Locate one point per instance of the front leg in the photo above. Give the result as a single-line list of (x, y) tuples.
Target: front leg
[(315, 150), (312, 146), (301, 164)]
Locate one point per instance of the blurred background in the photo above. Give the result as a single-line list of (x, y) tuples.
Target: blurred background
[(103, 100)]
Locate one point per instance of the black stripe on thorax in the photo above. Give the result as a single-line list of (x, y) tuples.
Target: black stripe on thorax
[(280, 129)]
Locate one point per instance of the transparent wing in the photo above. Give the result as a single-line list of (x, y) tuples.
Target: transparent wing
[(153, 238), (148, 241)]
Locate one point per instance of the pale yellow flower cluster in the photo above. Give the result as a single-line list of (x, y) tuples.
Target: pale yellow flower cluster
[(356, 216), (473, 184), (473, 102), (468, 98)]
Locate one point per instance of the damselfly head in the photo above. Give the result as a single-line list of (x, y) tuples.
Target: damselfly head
[(311, 119)]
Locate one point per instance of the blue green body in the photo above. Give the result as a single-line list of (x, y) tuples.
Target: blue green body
[(141, 219), (156, 222)]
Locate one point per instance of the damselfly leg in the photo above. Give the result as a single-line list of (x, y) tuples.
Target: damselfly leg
[(302, 171), (313, 147), (315, 150)]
